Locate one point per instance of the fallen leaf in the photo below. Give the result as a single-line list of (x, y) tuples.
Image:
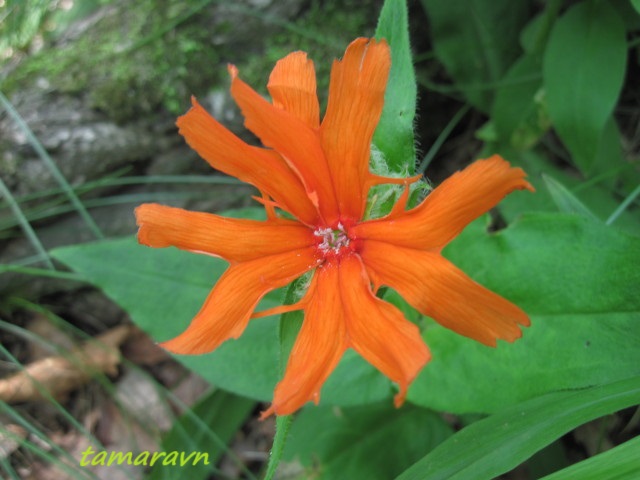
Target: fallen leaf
[(58, 375)]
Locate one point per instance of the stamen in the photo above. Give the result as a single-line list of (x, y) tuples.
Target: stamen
[(332, 240)]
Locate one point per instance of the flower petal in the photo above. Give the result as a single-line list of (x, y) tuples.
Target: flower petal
[(437, 288), (235, 240), (318, 348), (292, 86), (378, 331), (264, 169), (341, 311), (448, 209), (356, 98), (226, 311), (298, 144)]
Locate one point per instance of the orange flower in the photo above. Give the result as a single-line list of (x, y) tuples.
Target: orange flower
[(319, 174)]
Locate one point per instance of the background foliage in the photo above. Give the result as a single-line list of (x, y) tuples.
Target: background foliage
[(552, 86)]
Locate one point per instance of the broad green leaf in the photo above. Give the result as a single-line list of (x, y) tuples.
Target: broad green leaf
[(394, 135), (207, 428), (578, 281), (584, 66), (535, 34), (499, 443), (610, 155), (369, 442), (621, 462), (476, 41), (565, 200), (162, 289), (636, 5)]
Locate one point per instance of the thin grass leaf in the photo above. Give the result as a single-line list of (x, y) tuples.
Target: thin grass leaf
[(76, 473), (47, 211), (40, 272), (444, 135), (566, 201), (620, 463), (21, 219), (116, 181), (623, 206), (48, 161), (5, 465), (170, 179)]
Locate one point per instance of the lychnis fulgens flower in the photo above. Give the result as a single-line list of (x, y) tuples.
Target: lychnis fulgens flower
[(318, 173)]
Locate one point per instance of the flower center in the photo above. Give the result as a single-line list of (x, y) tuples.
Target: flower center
[(332, 241)]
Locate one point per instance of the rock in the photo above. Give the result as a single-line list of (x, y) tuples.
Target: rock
[(84, 144)]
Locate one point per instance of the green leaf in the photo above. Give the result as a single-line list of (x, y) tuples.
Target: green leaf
[(371, 442), (636, 5), (476, 41), (583, 67), (577, 280), (610, 155), (535, 34), (499, 443), (565, 200), (621, 462), (394, 135), (207, 428)]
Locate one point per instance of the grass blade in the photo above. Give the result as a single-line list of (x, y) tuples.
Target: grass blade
[(26, 226), (623, 206), (48, 161), (621, 462)]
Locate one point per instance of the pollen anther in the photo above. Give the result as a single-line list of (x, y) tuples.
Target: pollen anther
[(333, 240)]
